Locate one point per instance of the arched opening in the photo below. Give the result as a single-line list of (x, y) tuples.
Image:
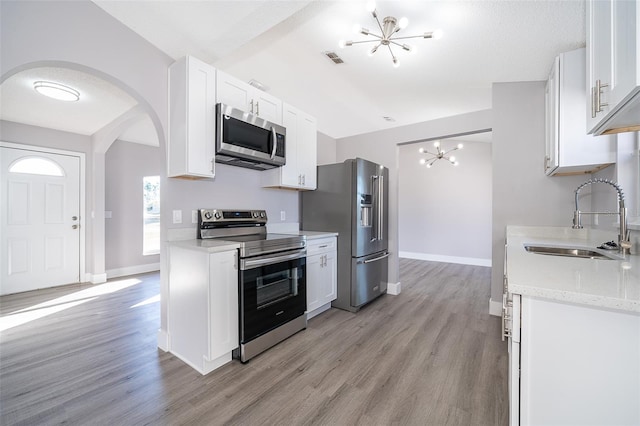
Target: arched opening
[(135, 122)]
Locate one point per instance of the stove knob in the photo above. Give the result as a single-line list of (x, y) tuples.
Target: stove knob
[(255, 214), (218, 216), (263, 215), (207, 215)]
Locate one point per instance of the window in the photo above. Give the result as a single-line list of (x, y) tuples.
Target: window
[(36, 166), (151, 215)]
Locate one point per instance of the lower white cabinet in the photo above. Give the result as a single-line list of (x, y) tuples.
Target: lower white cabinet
[(203, 306), (573, 364), (321, 275)]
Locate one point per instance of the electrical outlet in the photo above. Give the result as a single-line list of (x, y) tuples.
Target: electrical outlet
[(194, 216), (283, 215), (177, 216)]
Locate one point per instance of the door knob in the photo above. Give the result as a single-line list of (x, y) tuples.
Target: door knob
[(74, 226), (74, 217)]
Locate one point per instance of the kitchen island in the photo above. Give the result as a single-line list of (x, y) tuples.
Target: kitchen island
[(574, 339)]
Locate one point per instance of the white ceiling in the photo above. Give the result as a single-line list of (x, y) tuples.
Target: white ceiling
[(280, 44)]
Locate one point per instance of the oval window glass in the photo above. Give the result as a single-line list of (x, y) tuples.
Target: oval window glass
[(36, 166)]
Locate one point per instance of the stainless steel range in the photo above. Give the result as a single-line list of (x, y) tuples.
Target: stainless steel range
[(272, 277)]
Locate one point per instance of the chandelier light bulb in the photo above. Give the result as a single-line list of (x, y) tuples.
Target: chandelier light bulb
[(456, 163), (373, 50), (342, 44), (436, 144), (437, 34), (460, 146), (429, 166), (403, 22), (421, 150), (396, 63), (452, 159), (422, 161)]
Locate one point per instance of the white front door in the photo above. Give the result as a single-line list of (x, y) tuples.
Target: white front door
[(40, 219)]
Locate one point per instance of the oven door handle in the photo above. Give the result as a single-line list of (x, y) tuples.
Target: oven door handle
[(270, 260)]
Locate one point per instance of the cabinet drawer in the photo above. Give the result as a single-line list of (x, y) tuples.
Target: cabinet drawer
[(321, 245)]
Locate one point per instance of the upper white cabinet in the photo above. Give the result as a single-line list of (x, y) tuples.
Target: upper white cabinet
[(238, 94), (613, 67), (192, 99), (569, 150), (299, 172)]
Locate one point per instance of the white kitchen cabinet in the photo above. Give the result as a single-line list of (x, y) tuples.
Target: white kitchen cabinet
[(238, 94), (203, 306), (299, 172), (613, 66), (321, 275), (192, 97), (569, 150), (573, 364)]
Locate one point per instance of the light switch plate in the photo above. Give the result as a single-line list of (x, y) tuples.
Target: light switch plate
[(177, 216), (283, 215)]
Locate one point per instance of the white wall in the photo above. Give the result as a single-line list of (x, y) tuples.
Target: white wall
[(522, 193), (382, 147), (126, 164), (445, 211)]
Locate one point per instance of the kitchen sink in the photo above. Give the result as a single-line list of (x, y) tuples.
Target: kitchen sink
[(569, 252)]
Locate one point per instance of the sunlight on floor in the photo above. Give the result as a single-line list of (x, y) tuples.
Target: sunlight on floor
[(154, 299), (58, 304)]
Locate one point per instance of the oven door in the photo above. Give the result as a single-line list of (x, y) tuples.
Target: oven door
[(272, 292)]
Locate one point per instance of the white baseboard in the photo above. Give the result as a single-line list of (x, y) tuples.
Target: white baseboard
[(319, 310), (447, 259), (163, 340), (495, 308), (97, 278), (133, 270), (394, 288)]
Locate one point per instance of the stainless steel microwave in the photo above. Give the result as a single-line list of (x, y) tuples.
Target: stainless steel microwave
[(246, 140)]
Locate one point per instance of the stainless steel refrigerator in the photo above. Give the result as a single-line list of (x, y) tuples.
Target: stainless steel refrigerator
[(351, 199)]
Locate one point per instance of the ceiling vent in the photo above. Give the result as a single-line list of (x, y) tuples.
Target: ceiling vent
[(334, 57)]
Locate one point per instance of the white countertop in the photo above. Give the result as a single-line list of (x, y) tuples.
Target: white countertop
[(613, 284), (209, 246), (312, 235)]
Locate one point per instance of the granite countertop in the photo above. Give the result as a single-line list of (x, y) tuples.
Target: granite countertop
[(209, 246), (604, 283)]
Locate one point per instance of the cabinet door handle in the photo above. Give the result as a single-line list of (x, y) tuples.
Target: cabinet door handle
[(598, 95), (304, 179), (257, 108), (251, 103)]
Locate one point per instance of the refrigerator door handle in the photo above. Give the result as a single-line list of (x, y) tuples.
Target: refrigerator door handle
[(384, 256), (381, 195), (375, 188)]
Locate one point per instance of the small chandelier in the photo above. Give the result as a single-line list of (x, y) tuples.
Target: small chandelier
[(389, 27), (439, 155)]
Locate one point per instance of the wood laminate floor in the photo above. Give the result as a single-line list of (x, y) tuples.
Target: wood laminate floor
[(429, 356)]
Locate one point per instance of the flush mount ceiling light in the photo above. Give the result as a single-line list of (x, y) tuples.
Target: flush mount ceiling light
[(56, 91), (439, 155), (389, 27)]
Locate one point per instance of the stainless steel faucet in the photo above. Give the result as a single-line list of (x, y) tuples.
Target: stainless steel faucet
[(624, 243)]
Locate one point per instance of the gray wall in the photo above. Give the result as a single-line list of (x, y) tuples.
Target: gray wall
[(326, 149), (522, 193), (382, 147), (445, 211), (126, 164)]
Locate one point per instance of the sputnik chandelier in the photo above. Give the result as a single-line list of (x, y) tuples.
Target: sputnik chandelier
[(389, 27), (439, 155)]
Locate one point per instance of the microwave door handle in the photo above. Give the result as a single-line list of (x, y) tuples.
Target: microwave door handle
[(274, 139)]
